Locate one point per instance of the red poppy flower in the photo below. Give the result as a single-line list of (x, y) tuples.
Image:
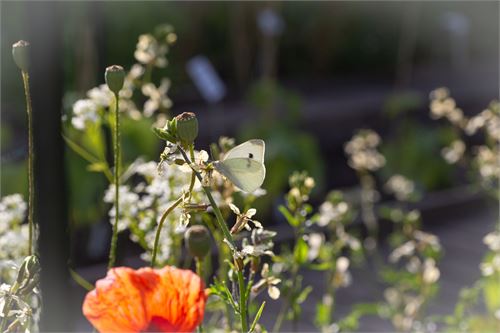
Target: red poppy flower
[(146, 300)]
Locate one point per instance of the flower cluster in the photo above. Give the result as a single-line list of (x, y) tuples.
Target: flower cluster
[(142, 200), (13, 235), (401, 187), (483, 157), (412, 286), (491, 265), (151, 52), (362, 151)]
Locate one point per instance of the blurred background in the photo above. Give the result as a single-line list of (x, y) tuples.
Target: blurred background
[(303, 76)]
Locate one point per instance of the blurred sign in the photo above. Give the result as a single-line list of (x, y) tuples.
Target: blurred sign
[(206, 79), (270, 23), (458, 26)]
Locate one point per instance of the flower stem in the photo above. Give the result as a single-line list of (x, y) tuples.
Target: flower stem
[(243, 301), (117, 162), (229, 238), (31, 157), (160, 226)]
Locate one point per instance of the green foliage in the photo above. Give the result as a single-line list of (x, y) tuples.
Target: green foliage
[(412, 152)]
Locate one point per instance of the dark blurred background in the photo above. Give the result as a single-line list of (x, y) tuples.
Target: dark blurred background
[(326, 69)]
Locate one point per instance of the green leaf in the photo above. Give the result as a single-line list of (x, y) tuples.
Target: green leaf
[(257, 317), (81, 280), (303, 295), (324, 266), (220, 289), (300, 251), (80, 150), (98, 167), (322, 315), (164, 135), (288, 216)]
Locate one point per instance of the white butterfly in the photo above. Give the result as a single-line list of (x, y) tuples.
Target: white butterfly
[(244, 165)]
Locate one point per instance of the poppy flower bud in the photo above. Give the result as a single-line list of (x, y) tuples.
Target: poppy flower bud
[(20, 52), (115, 76), (187, 127), (197, 241)]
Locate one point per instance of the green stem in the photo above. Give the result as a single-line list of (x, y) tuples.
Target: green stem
[(160, 226), (199, 271), (229, 238), (243, 302), (117, 162), (31, 157)]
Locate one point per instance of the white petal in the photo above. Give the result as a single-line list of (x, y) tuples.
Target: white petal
[(273, 292), (257, 224), (235, 209), (251, 212)]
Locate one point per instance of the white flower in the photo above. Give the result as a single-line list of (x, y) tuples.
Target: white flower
[(242, 219), (492, 240), (454, 152), (84, 112), (342, 277), (400, 186), (314, 240), (158, 99), (149, 51), (405, 250), (362, 151), (101, 96), (329, 212), (431, 272), (268, 281), (200, 157)]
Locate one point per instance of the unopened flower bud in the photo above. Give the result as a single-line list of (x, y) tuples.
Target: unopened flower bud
[(187, 127), (20, 52), (197, 241), (115, 76)]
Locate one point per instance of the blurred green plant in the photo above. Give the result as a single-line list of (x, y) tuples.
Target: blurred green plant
[(411, 147)]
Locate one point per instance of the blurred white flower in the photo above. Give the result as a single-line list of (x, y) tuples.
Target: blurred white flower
[(158, 99), (84, 112), (342, 277), (400, 186), (362, 151), (314, 240), (149, 51), (329, 212), (454, 152), (430, 271), (492, 240), (268, 281)]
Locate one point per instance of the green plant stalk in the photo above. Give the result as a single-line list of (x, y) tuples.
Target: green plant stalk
[(31, 157), (298, 233), (168, 211), (243, 302), (117, 162), (286, 304), (229, 238), (199, 271), (160, 226)]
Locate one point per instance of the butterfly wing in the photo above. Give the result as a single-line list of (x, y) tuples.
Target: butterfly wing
[(245, 173), (253, 149)]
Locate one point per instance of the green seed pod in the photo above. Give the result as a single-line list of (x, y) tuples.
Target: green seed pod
[(115, 76), (20, 52), (197, 240), (187, 127)]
